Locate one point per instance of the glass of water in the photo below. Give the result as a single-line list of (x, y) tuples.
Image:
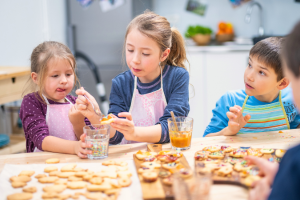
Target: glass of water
[(98, 136)]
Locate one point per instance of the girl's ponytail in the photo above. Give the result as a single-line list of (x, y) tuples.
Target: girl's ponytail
[(177, 56)]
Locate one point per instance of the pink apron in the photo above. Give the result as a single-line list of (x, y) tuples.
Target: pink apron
[(146, 109), (57, 119)]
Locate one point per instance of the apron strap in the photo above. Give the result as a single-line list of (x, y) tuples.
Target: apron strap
[(283, 110), (245, 101), (134, 93), (46, 100), (68, 100), (161, 85)]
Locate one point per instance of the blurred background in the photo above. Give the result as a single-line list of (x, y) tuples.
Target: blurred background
[(218, 34)]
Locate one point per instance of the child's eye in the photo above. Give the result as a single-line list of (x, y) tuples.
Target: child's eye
[(130, 50), (262, 73), (249, 65), (69, 74), (146, 54), (54, 76)]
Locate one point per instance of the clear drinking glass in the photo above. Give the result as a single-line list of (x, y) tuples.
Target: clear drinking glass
[(180, 132), (98, 136), (197, 187)]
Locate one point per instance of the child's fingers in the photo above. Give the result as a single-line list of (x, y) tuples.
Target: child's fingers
[(231, 115), (232, 123), (82, 100), (234, 110), (247, 118), (124, 122), (125, 114), (84, 145), (80, 155), (81, 107), (82, 137), (238, 107)]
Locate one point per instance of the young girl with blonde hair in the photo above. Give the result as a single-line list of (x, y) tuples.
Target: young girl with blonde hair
[(156, 83), (50, 118)]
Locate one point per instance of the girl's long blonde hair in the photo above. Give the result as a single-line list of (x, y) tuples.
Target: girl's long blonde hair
[(40, 57), (158, 28)]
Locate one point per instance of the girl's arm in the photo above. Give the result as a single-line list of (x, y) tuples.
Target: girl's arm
[(58, 145)]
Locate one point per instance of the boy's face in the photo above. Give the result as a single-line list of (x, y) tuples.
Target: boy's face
[(260, 80), (295, 84)]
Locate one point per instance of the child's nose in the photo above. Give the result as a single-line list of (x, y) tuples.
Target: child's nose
[(136, 58), (64, 80)]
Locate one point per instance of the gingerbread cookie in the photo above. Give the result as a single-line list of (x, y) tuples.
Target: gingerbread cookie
[(54, 173), (169, 166), (52, 161), (107, 119), (107, 174), (250, 179), (225, 171), (74, 178), (121, 163), (76, 185), (143, 154), (145, 169), (31, 189), (201, 155), (20, 179), (61, 182), (50, 195), (20, 196), (50, 169), (98, 188), (78, 169), (238, 153), (124, 181), (226, 149), (280, 153), (168, 181), (51, 179), (96, 180), (68, 168), (18, 184), (40, 176), (267, 151), (26, 173), (242, 166), (164, 174), (211, 148), (54, 188), (124, 174), (150, 176), (66, 174), (254, 152), (151, 164), (217, 155)]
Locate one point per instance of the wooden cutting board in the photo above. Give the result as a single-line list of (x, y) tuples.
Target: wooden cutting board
[(156, 190), (235, 178)]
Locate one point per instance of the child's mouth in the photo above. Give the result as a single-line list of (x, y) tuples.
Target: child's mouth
[(60, 90), (136, 70), (248, 86)]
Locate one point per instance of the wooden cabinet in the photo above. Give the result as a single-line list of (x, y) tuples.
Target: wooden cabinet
[(213, 73)]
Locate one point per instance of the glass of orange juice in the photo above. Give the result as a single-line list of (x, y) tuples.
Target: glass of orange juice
[(180, 132)]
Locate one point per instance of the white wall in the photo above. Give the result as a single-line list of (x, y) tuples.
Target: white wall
[(25, 24), (280, 15)]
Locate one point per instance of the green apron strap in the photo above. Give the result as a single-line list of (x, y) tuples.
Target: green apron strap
[(283, 110), (245, 101)]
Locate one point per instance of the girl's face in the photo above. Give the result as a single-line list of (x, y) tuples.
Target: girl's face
[(59, 80), (143, 56)]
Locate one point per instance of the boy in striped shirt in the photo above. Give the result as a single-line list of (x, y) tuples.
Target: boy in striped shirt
[(266, 104)]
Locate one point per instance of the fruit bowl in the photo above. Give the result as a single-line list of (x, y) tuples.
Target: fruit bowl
[(224, 37), (202, 39)]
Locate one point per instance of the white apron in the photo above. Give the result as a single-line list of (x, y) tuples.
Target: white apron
[(57, 119), (146, 109)]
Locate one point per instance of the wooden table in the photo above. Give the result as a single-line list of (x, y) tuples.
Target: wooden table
[(12, 82), (277, 140)]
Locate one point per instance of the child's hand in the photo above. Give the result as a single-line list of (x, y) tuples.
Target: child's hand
[(84, 106), (80, 149), (236, 120), (75, 116), (125, 126), (268, 170)]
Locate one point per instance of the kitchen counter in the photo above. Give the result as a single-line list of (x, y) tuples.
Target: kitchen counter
[(218, 48)]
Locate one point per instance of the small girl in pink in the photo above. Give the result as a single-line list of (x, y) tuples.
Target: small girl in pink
[(50, 117)]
